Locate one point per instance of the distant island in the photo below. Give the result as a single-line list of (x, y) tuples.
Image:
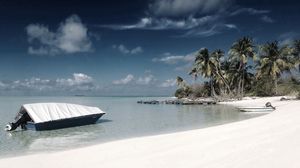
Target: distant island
[(79, 95)]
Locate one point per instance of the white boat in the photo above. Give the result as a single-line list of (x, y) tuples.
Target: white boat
[(256, 109), (48, 116)]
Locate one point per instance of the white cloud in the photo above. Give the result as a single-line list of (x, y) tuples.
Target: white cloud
[(288, 38), (33, 83), (78, 82), (148, 79), (203, 26), (187, 7), (267, 19), (42, 51), (130, 79), (182, 62), (211, 30), (70, 37), (168, 83), (2, 85), (148, 71), (78, 79), (250, 11), (174, 59), (184, 68), (137, 50), (125, 80), (123, 49), (145, 80), (194, 18), (231, 26), (152, 23)]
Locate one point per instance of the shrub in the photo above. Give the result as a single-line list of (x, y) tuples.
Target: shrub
[(263, 87), (200, 91), (183, 92), (180, 93)]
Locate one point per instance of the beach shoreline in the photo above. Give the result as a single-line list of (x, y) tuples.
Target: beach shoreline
[(266, 141)]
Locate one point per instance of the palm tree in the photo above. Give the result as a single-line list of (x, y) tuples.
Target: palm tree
[(209, 66), (184, 88), (249, 77), (296, 53), (232, 74), (219, 73), (180, 82), (296, 48), (240, 52), (204, 65), (273, 61), (193, 72), (225, 69)]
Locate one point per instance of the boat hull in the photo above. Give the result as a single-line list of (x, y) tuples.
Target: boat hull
[(65, 123), (256, 109)]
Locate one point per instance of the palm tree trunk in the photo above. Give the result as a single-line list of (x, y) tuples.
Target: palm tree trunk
[(239, 88), (243, 83), (211, 87), (240, 92), (276, 92), (225, 81)]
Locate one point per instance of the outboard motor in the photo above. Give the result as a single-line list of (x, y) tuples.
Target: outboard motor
[(21, 119), (10, 127), (268, 104)]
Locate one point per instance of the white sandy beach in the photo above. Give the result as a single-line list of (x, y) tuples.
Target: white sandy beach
[(269, 141)]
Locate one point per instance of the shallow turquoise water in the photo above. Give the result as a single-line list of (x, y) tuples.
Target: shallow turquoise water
[(125, 118)]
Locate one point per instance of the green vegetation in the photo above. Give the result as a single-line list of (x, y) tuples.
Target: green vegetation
[(184, 89), (248, 69)]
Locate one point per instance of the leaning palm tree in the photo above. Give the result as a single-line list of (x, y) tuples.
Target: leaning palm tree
[(209, 66), (273, 61), (193, 72), (233, 75), (296, 48), (183, 86), (240, 52), (180, 82), (204, 65), (226, 73), (296, 53), (219, 73)]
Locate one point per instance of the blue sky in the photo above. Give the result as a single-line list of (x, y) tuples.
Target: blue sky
[(135, 47)]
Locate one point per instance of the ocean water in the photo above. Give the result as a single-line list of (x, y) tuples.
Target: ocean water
[(124, 119)]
